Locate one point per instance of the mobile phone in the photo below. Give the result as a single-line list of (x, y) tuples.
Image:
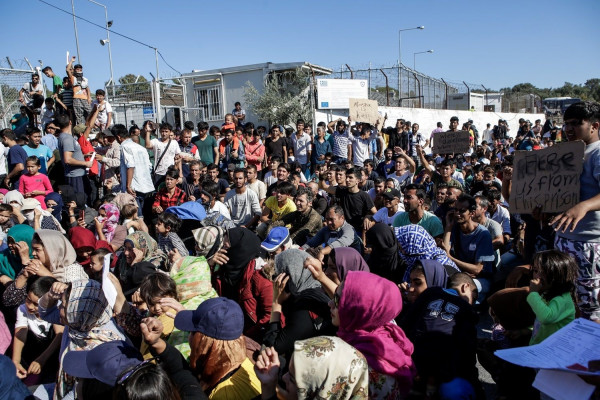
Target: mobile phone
[(81, 214)]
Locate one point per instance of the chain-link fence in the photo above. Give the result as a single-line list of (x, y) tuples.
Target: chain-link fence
[(401, 87), (11, 81)]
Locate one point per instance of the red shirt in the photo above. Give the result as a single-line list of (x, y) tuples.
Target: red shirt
[(162, 199)]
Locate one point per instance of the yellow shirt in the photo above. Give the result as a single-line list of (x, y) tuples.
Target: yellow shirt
[(242, 385), (277, 211), (168, 326)]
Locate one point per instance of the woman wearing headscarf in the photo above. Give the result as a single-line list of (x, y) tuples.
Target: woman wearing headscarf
[(300, 298), (84, 242), (416, 244), (15, 256), (340, 261), (54, 204), (363, 308), (108, 228), (324, 367), (15, 199), (57, 255), (87, 318), (424, 274), (39, 218), (383, 259)]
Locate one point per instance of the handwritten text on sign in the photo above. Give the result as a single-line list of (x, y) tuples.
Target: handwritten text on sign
[(363, 110), (548, 177), (451, 142)]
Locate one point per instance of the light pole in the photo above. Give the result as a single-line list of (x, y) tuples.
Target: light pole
[(105, 41), (415, 57), (76, 34), (400, 59)]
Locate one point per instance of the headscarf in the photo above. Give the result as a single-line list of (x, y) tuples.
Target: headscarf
[(291, 262), (384, 260), (209, 240), (63, 259), (435, 273), (14, 195), (144, 242), (416, 244), (244, 247), (193, 282), (348, 259), (122, 199), (4, 191), (82, 238), (56, 211), (111, 222), (10, 265), (367, 305), (5, 336), (211, 359), (328, 368), (30, 215), (11, 387)]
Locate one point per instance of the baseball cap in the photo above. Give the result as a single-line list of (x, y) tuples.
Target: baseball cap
[(30, 204), (219, 318), (391, 193), (79, 129), (106, 362), (276, 237)]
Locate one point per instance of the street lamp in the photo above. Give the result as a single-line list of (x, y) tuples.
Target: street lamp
[(105, 41), (400, 58), (415, 57)]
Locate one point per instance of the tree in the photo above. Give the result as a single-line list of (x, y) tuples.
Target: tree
[(285, 98), (132, 88)]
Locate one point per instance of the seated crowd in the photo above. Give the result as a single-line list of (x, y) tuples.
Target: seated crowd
[(240, 262)]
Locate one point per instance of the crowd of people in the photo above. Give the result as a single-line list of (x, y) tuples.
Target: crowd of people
[(242, 262)]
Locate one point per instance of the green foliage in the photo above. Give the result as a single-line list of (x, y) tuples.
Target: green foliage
[(590, 90), (285, 98), (131, 88)]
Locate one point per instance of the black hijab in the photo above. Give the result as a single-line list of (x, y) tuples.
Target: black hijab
[(384, 260), (244, 247)]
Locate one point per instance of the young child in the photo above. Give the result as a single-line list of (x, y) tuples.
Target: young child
[(130, 219), (104, 118), (551, 291), (6, 222), (168, 240), (153, 289), (228, 124), (94, 268), (34, 183), (36, 343)]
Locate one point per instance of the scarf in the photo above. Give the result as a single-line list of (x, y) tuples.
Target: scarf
[(10, 265), (291, 262), (435, 273), (84, 239), (122, 199), (62, 256), (367, 305), (384, 260), (57, 210), (209, 240), (416, 244), (348, 259), (244, 247), (30, 216), (14, 196), (193, 280), (328, 368), (144, 242), (111, 221)]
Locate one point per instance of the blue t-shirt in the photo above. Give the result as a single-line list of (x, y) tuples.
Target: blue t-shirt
[(475, 247), (16, 155), (43, 153)]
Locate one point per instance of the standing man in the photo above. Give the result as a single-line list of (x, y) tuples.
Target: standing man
[(578, 229), (302, 145), (82, 98), (189, 151), (342, 148), (242, 202), (35, 148), (72, 157), (135, 168), (207, 145), (16, 159), (165, 150)]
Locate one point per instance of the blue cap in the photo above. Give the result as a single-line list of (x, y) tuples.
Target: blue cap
[(105, 362), (219, 318), (276, 237)]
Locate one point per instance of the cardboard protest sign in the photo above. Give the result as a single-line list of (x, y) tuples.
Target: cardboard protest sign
[(364, 110), (548, 177), (451, 142)]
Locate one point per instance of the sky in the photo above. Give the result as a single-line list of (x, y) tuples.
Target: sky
[(494, 43)]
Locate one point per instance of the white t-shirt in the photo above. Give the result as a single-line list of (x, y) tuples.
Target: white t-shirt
[(301, 146), (28, 87), (361, 148), (382, 215), (102, 117), (221, 209), (270, 178), (38, 327), (3, 153), (159, 148), (259, 188)]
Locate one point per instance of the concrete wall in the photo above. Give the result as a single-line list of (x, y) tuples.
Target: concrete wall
[(427, 118), (234, 90)]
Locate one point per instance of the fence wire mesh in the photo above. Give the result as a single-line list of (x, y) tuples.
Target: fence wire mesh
[(11, 81)]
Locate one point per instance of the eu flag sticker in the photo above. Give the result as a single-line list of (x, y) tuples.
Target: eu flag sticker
[(324, 104)]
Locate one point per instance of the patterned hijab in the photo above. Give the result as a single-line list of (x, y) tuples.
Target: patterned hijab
[(144, 242), (416, 244), (63, 259), (367, 305), (328, 368), (111, 222), (291, 262), (209, 240)]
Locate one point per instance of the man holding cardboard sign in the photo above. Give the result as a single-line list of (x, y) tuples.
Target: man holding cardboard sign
[(578, 228)]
